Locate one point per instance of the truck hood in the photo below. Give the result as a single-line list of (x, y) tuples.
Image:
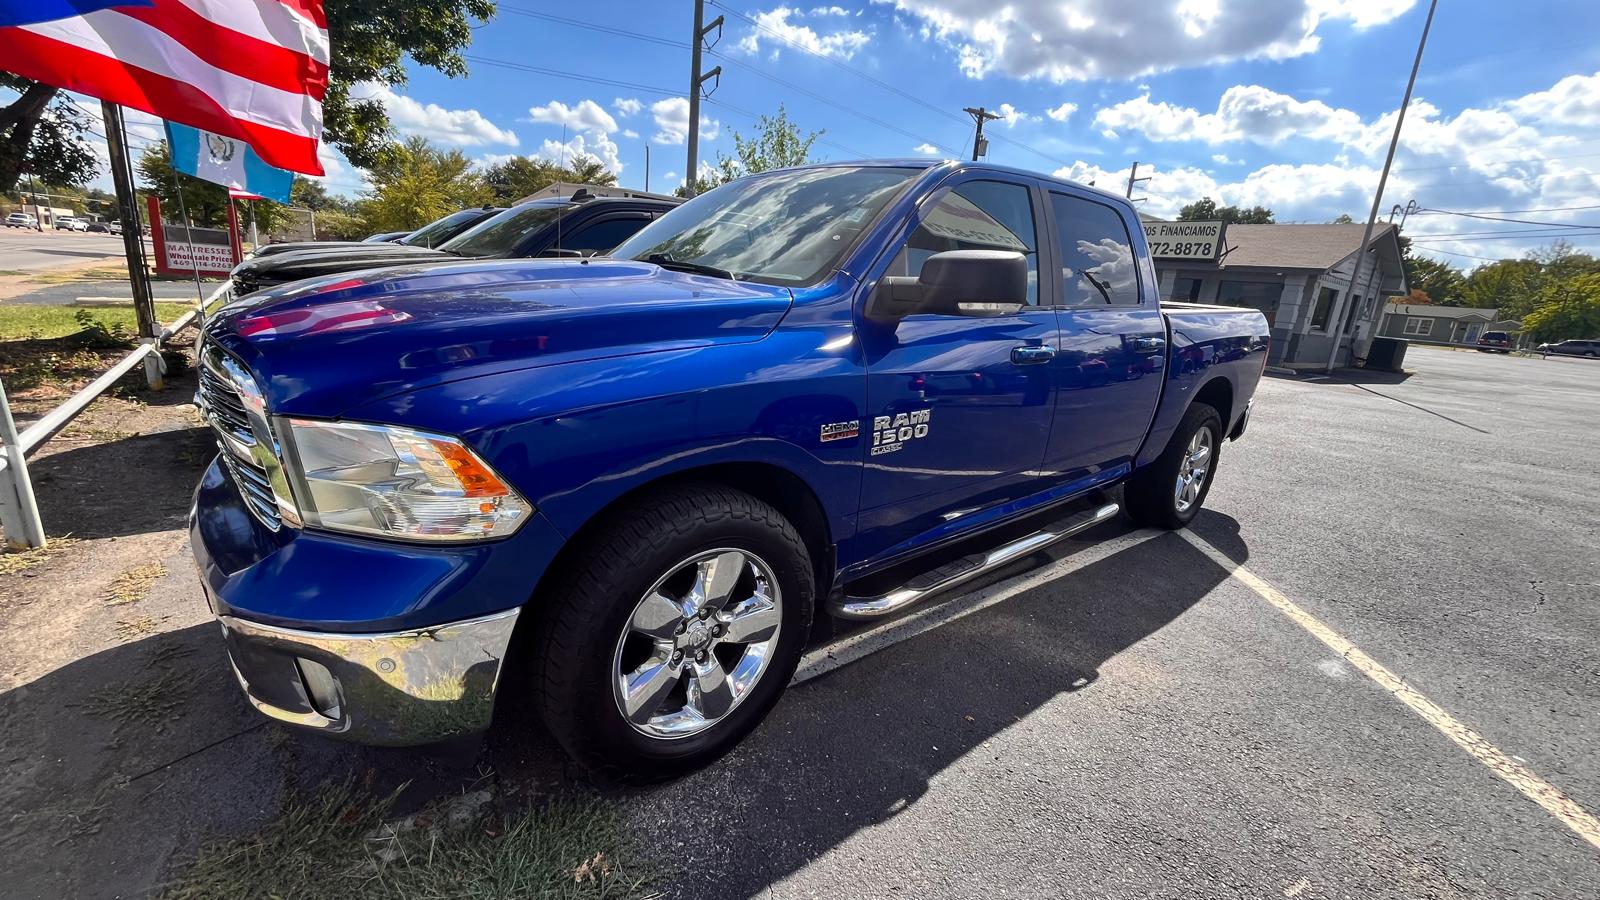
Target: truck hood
[(322, 347), (277, 268)]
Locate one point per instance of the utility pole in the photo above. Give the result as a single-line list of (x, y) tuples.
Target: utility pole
[(1133, 179), (1383, 180), (980, 144), (144, 309), (647, 167), (696, 80), (1404, 212)]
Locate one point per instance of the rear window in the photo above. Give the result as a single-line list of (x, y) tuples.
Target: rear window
[(1495, 336)]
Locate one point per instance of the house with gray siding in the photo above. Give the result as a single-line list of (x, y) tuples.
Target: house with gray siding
[(1321, 294), (1442, 324)]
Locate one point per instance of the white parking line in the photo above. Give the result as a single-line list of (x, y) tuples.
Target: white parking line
[(865, 643), (1518, 776)]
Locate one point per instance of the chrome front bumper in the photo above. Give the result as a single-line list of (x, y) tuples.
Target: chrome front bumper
[(400, 688)]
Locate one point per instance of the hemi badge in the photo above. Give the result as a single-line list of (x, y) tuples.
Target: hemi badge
[(839, 431)]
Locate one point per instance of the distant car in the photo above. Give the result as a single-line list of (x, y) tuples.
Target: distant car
[(21, 220), (98, 228), (1495, 342), (1589, 348), (71, 223)]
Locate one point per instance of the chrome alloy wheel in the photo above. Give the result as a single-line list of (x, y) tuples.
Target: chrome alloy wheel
[(697, 643), (1192, 469)]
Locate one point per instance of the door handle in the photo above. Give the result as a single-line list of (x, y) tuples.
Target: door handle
[(1149, 346), (1030, 356)]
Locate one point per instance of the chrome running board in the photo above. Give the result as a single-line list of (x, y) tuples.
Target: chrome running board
[(967, 568)]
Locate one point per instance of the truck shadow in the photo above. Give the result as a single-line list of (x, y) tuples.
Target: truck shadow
[(859, 746)]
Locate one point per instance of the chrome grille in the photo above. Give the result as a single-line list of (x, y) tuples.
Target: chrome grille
[(220, 403)]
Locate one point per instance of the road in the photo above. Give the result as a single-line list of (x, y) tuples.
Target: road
[(1125, 717), (23, 250)]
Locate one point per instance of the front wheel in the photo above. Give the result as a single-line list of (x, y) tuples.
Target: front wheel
[(1168, 492), (674, 633)]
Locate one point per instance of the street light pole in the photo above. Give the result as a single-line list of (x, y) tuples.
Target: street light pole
[(1336, 316)]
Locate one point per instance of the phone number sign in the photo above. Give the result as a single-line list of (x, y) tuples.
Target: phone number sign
[(1184, 240), (205, 257)]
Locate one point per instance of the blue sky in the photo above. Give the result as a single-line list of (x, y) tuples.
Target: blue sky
[(1286, 103)]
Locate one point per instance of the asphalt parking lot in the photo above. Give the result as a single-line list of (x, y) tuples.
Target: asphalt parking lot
[(1125, 717), (26, 250)]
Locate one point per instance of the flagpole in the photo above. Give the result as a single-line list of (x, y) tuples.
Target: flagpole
[(144, 309), (188, 235)]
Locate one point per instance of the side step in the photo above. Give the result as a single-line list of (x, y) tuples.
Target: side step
[(967, 567)]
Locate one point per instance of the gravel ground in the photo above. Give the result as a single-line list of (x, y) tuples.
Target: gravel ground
[(1118, 719)]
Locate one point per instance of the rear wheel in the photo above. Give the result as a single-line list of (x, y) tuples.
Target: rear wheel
[(1169, 492), (674, 634)]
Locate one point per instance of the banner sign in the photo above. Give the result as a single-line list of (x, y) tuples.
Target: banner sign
[(1185, 240), (184, 251)]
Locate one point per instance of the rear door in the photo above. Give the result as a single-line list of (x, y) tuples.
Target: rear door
[(1113, 347), (959, 408)]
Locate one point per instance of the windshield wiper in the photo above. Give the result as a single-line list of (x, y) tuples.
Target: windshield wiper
[(683, 265)]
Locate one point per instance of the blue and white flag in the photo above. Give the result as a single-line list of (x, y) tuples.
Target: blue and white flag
[(225, 161)]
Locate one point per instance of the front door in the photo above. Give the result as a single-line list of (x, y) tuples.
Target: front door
[(1113, 342), (959, 407)]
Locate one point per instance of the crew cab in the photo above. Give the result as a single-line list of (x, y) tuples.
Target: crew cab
[(614, 492), (582, 226)]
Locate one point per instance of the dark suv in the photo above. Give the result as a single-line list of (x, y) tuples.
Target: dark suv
[(1590, 349), (577, 227), (1495, 342)]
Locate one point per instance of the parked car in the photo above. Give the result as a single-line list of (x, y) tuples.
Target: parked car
[(430, 235), (21, 220), (99, 228), (615, 491), (1589, 348), (1495, 342), (536, 228)]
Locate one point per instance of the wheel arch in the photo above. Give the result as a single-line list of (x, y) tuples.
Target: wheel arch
[(1218, 394)]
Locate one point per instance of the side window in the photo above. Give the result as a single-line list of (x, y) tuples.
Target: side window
[(1097, 262), (976, 215), (599, 237)]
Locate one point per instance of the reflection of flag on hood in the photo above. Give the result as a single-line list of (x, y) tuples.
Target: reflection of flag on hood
[(252, 70), (225, 161)]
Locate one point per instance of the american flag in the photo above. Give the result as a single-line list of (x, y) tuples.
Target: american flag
[(254, 70)]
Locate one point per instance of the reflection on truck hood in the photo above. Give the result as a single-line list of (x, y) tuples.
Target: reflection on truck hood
[(277, 268), (320, 347)]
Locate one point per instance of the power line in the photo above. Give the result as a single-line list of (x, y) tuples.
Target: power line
[(606, 29), (1454, 253), (1489, 212), (1446, 212), (1506, 237), (555, 73)]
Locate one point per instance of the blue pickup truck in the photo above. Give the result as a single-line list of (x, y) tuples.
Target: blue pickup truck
[(613, 493)]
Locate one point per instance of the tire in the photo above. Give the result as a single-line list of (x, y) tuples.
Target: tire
[(1153, 495), (588, 635)]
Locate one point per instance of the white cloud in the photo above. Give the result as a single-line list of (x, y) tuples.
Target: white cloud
[(457, 127), (586, 116), (838, 44), (1062, 112), (1222, 159), (630, 134), (627, 107), (927, 150), (672, 118), (1014, 116), (1574, 100), (830, 11), (1245, 112), (1074, 40), (594, 146)]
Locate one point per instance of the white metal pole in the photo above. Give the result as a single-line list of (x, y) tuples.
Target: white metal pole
[(16, 491), (1336, 316)]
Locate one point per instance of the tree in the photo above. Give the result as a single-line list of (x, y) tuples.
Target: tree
[(1441, 283), (1207, 210), (520, 176), (1566, 309), (777, 144), (42, 133), (415, 183), (313, 195), (371, 42), (1344, 219), (207, 203)]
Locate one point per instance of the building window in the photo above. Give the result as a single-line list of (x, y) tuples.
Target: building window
[(1418, 326), (1262, 295), (1185, 290), (1324, 308)]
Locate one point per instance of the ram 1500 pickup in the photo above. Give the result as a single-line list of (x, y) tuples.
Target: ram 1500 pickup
[(614, 492)]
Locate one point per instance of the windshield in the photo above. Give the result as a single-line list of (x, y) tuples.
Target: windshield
[(439, 231), (500, 235), (787, 228)]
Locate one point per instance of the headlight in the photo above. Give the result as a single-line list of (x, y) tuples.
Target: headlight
[(396, 482)]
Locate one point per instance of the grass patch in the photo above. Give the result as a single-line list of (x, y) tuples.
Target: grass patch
[(15, 562), (151, 701), (138, 627), (338, 844), (29, 322), (133, 585)]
